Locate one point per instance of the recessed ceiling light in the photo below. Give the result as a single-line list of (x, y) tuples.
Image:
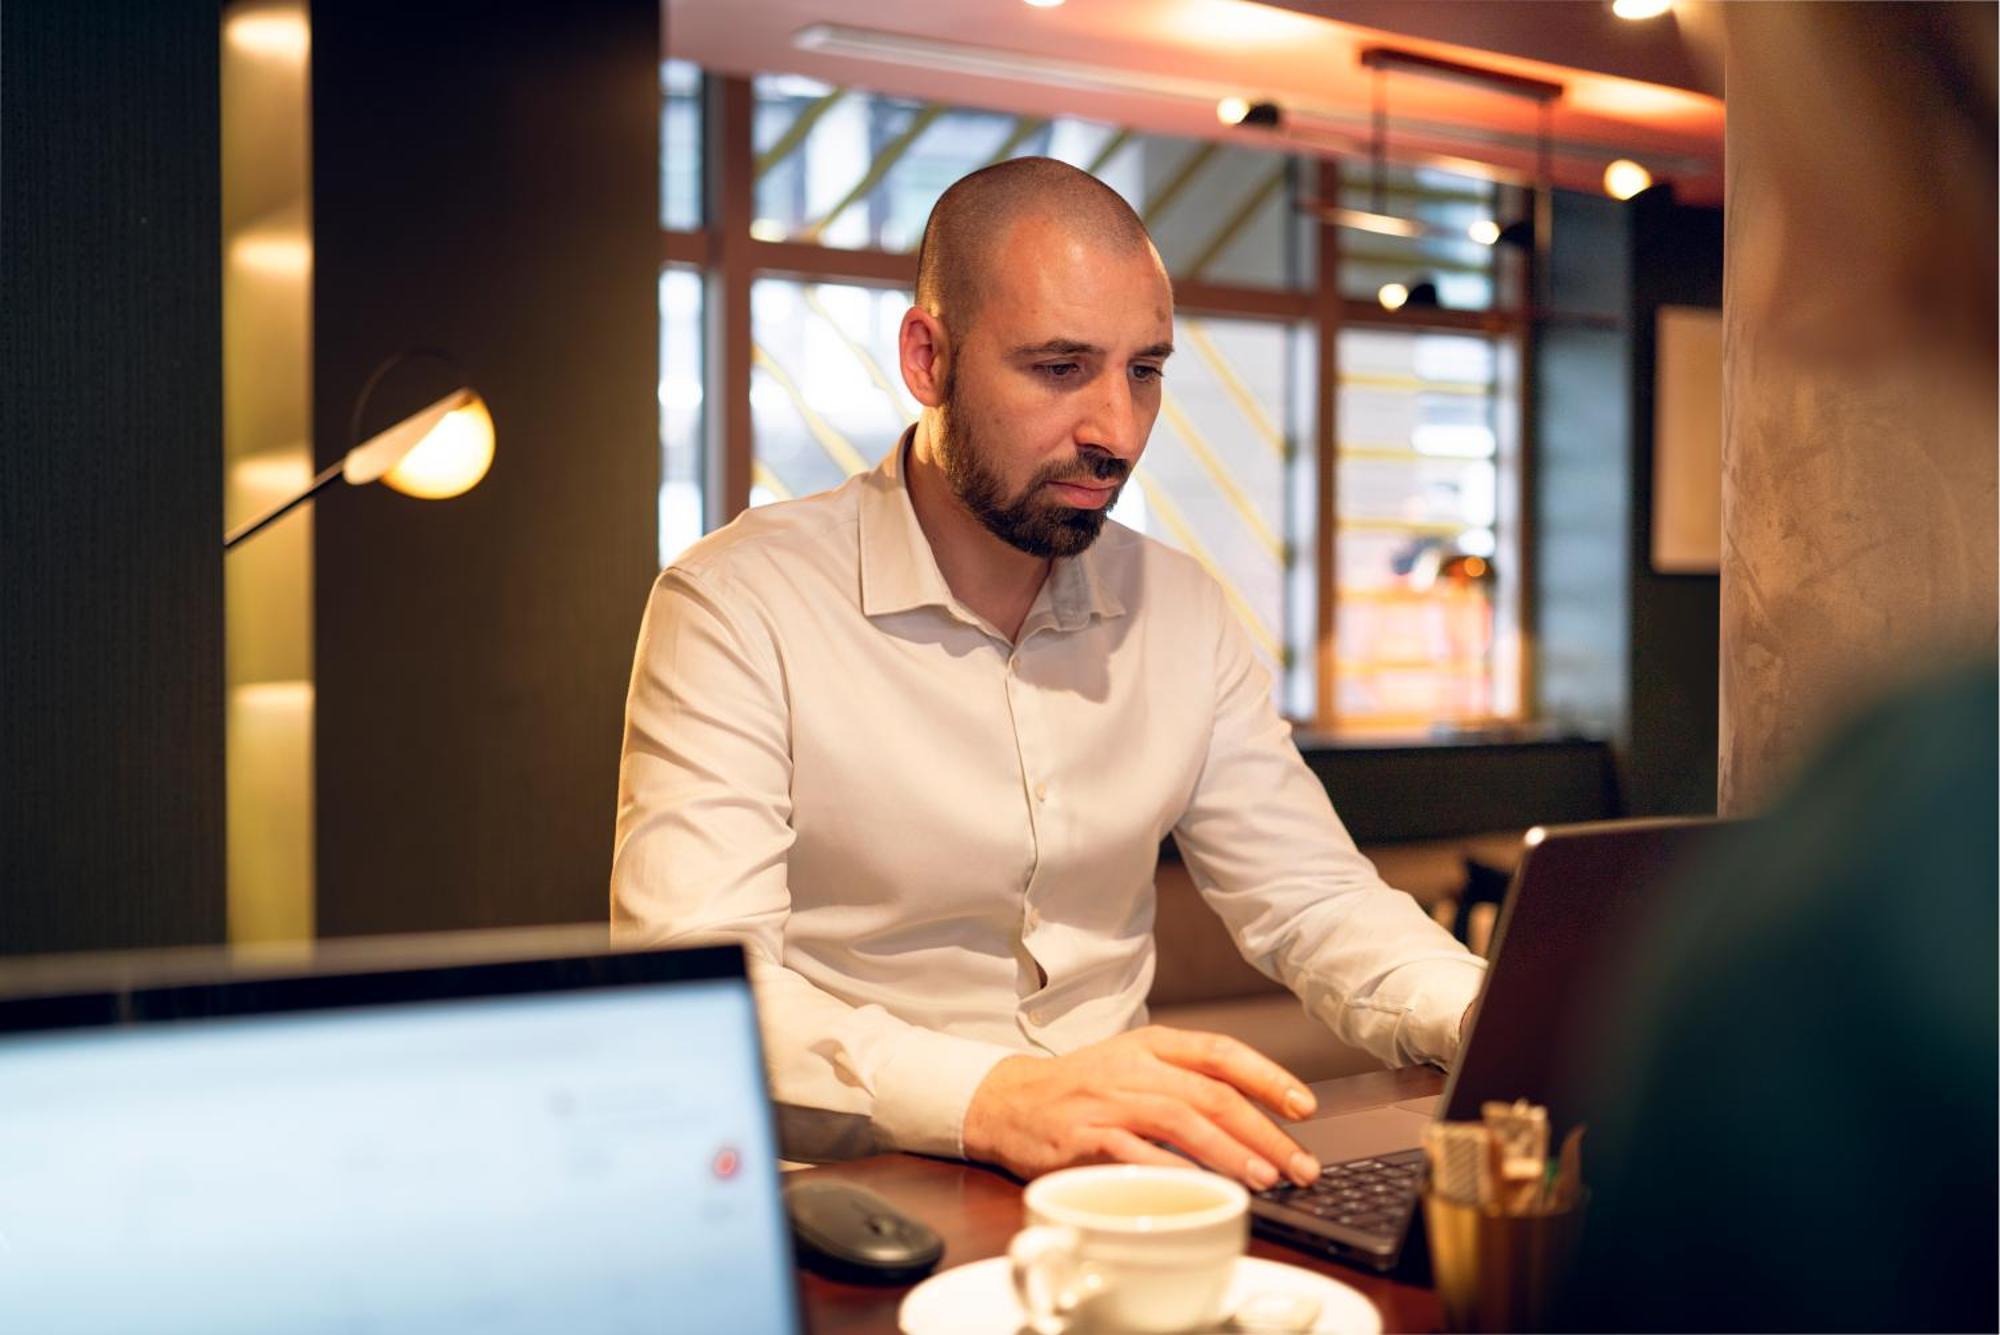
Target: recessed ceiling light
[(1639, 9), (1045, 4), (1392, 296), (1625, 178), (1485, 231), (1232, 110)]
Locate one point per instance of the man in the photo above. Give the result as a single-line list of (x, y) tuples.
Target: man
[(915, 742)]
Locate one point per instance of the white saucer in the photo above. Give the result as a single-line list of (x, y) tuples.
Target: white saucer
[(978, 1299)]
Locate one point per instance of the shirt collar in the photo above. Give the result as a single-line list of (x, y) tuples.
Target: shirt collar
[(900, 572)]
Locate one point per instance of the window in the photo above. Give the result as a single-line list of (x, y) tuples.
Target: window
[(681, 423), (1465, 272), (1416, 588), (855, 170), (1418, 553)]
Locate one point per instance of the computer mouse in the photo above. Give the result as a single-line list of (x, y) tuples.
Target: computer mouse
[(846, 1233)]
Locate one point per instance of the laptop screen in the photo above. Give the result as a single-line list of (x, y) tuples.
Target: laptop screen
[(595, 1158)]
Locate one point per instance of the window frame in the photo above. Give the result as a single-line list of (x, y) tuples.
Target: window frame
[(731, 260)]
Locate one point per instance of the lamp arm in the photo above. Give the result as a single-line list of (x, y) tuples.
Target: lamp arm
[(269, 517)]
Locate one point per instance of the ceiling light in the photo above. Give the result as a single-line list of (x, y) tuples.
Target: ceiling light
[(1486, 232), (1051, 4), (1627, 9), (1392, 296), (1232, 110), (1625, 178)]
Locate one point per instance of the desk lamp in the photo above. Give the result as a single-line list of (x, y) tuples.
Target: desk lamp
[(435, 453)]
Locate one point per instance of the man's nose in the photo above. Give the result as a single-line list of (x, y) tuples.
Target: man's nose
[(1112, 422)]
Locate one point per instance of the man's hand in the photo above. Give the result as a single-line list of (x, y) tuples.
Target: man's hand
[(1111, 1100)]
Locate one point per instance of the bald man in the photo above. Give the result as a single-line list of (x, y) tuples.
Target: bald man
[(914, 742)]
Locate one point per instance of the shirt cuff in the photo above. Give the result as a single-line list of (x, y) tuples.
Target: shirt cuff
[(923, 1091), (1437, 1008)]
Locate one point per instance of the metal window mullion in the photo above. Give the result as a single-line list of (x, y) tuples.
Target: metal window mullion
[(1529, 299), (729, 181), (1327, 314)]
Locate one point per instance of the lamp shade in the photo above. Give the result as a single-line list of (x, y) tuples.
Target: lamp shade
[(435, 453)]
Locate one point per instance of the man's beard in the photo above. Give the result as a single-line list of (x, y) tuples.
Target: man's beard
[(1026, 522)]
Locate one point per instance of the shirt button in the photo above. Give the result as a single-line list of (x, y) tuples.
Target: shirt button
[(1041, 792), (1038, 1018), (1032, 920)]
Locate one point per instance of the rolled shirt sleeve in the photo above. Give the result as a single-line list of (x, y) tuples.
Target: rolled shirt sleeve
[(1269, 854), (703, 834)]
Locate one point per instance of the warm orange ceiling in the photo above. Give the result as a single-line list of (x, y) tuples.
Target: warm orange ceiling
[(1096, 54)]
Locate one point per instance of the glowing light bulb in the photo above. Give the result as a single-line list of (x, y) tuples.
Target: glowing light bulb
[(451, 458), (1392, 296), (1486, 232), (1625, 178), (1045, 4), (1232, 110), (1640, 9)]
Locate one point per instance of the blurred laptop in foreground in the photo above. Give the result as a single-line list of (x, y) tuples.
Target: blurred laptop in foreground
[(509, 1132)]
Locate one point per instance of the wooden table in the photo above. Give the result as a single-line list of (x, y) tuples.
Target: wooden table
[(978, 1209)]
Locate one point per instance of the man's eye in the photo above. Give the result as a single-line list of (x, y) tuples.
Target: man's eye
[(1150, 373), (1060, 370)]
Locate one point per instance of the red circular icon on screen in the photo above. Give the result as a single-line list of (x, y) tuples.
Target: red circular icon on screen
[(726, 1162)]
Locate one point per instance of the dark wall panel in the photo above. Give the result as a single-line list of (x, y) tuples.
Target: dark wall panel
[(485, 183), (1676, 619), (111, 796)]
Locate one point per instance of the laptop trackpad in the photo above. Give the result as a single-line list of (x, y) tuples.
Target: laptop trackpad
[(1362, 1135)]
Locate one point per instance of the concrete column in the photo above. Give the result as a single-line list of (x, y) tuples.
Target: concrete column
[(1859, 432)]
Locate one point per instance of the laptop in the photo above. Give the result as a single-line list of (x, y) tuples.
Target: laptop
[(503, 1133), (1570, 901)]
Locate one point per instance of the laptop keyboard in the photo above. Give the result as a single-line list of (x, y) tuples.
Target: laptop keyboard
[(1368, 1196)]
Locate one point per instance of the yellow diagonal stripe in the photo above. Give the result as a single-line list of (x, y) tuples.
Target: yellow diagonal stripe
[(1161, 504), (795, 133), (1025, 127), (1218, 474), (1179, 181), (862, 355), (765, 478), (1236, 222), (892, 153), (1238, 392), (837, 448), (1109, 151)]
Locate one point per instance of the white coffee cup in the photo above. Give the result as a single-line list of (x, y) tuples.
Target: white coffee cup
[(1127, 1247)]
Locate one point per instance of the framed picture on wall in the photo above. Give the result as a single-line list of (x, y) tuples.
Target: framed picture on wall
[(1687, 441)]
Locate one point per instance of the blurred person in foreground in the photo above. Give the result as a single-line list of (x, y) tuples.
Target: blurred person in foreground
[(1793, 1102), (1794, 1097), (914, 742)]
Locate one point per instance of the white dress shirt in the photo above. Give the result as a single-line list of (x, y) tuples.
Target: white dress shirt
[(938, 846)]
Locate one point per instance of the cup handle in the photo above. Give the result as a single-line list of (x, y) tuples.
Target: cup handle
[(1046, 1269)]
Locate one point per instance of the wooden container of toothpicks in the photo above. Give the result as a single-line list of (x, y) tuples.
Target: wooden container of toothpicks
[(1502, 1217), (1499, 1272)]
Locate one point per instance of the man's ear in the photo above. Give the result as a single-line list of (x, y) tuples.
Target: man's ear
[(923, 352)]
